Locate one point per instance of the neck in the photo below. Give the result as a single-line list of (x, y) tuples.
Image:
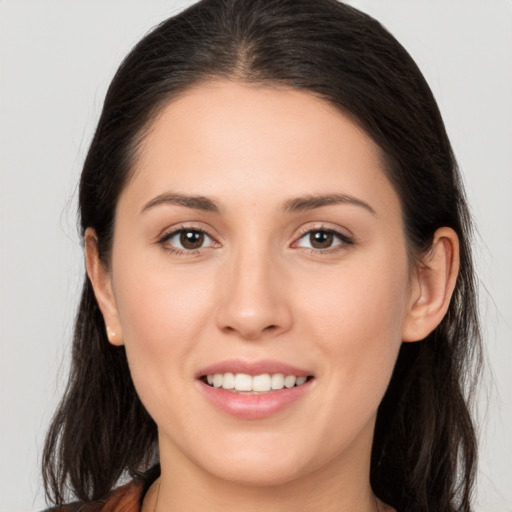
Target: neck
[(342, 486)]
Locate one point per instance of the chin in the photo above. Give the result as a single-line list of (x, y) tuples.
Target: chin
[(258, 463), (257, 473)]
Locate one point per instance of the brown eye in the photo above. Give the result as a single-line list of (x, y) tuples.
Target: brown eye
[(321, 239), (191, 239), (183, 240)]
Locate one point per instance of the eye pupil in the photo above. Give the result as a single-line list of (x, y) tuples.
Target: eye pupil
[(191, 239), (321, 239)]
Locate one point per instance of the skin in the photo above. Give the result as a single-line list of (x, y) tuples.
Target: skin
[(257, 289)]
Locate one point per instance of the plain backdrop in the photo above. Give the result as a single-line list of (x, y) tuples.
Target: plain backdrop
[(56, 60)]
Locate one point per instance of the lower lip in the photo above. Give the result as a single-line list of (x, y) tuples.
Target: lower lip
[(254, 406)]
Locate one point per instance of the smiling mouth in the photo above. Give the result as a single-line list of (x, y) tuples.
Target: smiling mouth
[(253, 384)]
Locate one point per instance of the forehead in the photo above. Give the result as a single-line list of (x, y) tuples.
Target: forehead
[(227, 139)]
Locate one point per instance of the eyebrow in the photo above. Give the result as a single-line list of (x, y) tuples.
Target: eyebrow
[(195, 202), (311, 202), (297, 204)]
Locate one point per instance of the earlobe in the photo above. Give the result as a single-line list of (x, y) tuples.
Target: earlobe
[(101, 281), (432, 286)]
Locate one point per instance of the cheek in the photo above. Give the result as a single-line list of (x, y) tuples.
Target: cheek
[(159, 306), (358, 301), (356, 315), (163, 315), (356, 323)]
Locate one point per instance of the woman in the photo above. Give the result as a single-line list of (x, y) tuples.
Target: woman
[(279, 309)]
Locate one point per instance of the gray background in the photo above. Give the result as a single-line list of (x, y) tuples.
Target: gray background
[(56, 60)]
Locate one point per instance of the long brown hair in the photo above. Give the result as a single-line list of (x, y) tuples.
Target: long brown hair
[(424, 451)]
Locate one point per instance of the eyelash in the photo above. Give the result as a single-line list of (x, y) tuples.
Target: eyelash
[(343, 241), (163, 241)]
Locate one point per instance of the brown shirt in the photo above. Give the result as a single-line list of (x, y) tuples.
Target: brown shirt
[(127, 498)]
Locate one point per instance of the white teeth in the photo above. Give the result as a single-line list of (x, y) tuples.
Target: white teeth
[(243, 382), (277, 381), (259, 383), (229, 381), (289, 381), (217, 380)]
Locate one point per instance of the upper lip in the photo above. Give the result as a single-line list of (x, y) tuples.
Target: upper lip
[(258, 367)]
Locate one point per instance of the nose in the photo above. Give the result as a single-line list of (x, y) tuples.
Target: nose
[(253, 301)]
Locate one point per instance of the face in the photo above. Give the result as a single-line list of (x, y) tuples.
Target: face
[(259, 245)]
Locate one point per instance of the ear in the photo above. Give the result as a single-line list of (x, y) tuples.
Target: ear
[(101, 280), (432, 286)]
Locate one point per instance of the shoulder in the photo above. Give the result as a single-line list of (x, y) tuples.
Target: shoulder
[(124, 499)]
